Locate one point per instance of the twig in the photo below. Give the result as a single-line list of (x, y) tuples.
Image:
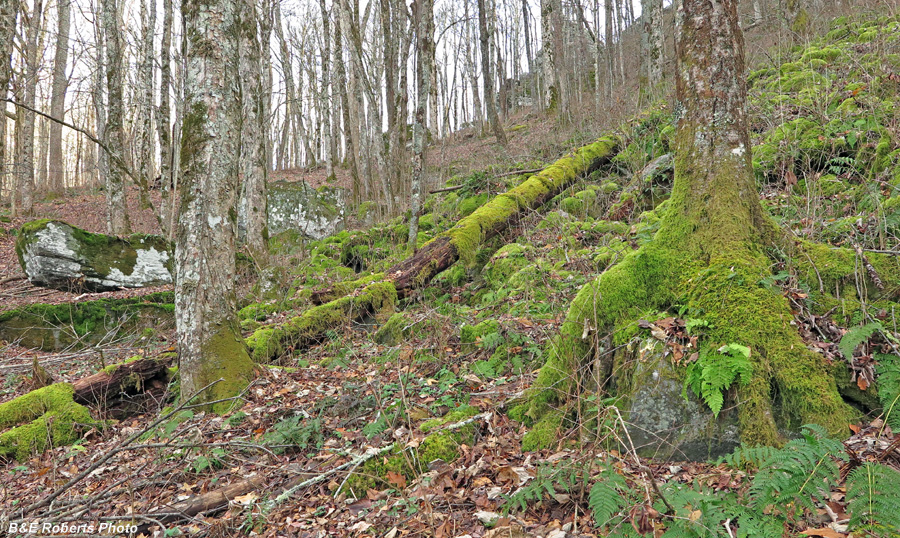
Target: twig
[(13, 278), (519, 172), (670, 510), (446, 189)]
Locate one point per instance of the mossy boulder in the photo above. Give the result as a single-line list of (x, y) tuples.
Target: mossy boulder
[(57, 327), (48, 414), (393, 331), (57, 255), (504, 263), (665, 421), (314, 213)]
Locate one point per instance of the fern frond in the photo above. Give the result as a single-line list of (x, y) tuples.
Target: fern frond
[(856, 336), (873, 500), (608, 496), (889, 388), (799, 473), (748, 457)]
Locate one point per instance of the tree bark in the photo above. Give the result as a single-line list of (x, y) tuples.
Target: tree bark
[(117, 221), (30, 81), (423, 11), (56, 162), (489, 98), (651, 42), (209, 343), (127, 378), (327, 97), (146, 82), (252, 212), (163, 124), (8, 13)]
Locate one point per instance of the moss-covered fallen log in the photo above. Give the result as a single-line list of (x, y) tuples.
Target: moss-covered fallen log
[(463, 240), (310, 327), (56, 414)]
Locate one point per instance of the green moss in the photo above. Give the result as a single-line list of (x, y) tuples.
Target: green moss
[(113, 367), (310, 327), (545, 433), (469, 334), (504, 263), (457, 415), (393, 331), (50, 414)]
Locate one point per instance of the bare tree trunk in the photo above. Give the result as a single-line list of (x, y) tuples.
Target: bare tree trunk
[(30, 80), (56, 179), (651, 42), (8, 13), (423, 13), (146, 85), (117, 221), (163, 121), (493, 117), (209, 340), (550, 93), (97, 97), (252, 211), (610, 51), (327, 97), (620, 41), (348, 118), (472, 71)]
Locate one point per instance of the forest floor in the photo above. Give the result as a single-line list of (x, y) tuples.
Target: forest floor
[(466, 346)]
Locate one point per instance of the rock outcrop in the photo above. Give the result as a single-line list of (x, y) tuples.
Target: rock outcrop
[(314, 213), (56, 255)]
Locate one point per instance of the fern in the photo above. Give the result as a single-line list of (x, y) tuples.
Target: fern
[(748, 457), (798, 473), (873, 500), (609, 495), (889, 388), (550, 478), (715, 371), (856, 336)]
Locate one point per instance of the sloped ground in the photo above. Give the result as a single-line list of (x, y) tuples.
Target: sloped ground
[(469, 344)]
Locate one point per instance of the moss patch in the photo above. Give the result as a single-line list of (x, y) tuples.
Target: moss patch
[(46, 414)]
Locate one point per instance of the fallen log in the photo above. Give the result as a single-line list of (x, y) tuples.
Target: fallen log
[(459, 242), (463, 239), (119, 380)]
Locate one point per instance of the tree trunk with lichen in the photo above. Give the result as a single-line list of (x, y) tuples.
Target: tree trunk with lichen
[(709, 258), (209, 341), (117, 221)]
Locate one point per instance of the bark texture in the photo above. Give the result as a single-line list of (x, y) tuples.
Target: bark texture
[(209, 343), (117, 221), (424, 11), (8, 11), (56, 162)]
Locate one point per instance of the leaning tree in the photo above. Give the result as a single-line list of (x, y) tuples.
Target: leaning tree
[(713, 253), (211, 350)]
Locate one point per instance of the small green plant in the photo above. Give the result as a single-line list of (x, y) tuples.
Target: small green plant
[(715, 371), (856, 336), (873, 494), (294, 432)]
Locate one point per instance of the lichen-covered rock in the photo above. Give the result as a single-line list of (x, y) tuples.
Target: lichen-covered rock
[(314, 213), (661, 421), (56, 255)]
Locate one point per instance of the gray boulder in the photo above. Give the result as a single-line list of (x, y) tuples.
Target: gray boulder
[(56, 255), (314, 213), (661, 422)]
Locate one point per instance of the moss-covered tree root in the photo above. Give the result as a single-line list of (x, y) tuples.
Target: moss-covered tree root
[(46, 415)]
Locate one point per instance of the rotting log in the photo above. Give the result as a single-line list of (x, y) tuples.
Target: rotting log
[(122, 379), (463, 239)]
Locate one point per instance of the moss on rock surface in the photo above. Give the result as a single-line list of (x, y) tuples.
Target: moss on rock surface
[(48, 414), (56, 327), (57, 255)]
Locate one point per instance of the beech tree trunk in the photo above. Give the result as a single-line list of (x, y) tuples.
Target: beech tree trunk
[(327, 97), (209, 339), (146, 82), (423, 13), (56, 162), (30, 80), (252, 212), (651, 41), (489, 98), (8, 12), (163, 124), (117, 221)]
